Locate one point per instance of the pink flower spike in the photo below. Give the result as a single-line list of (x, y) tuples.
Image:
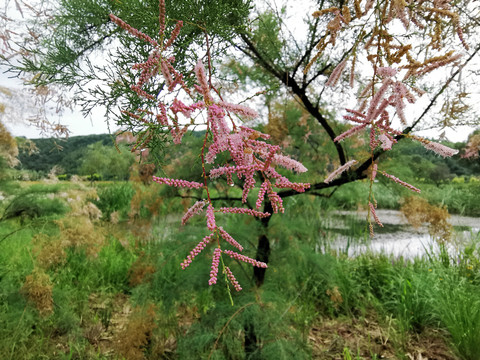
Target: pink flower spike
[(374, 171), (374, 214), (386, 71), (175, 33), (194, 210), (240, 110), (403, 183), (289, 163), (214, 269), (203, 88), (350, 132), (228, 238), (244, 211), (132, 30), (200, 246), (232, 279), (178, 183), (244, 258), (336, 73), (340, 170), (210, 218), (440, 149), (386, 142), (261, 193), (161, 17)]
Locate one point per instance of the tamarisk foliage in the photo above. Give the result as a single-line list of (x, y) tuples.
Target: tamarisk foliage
[(250, 155), (387, 53), (395, 72)]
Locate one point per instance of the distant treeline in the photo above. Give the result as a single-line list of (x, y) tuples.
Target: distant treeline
[(66, 153), (409, 159)]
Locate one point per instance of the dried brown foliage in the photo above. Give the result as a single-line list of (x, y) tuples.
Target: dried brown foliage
[(80, 233), (147, 198), (49, 251), (141, 270), (8, 146), (276, 127), (38, 290), (472, 150), (134, 338), (335, 296), (418, 212), (145, 172)]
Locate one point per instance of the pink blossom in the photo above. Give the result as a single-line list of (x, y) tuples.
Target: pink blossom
[(214, 269), (244, 258), (386, 71), (276, 201), (283, 183), (162, 117), (240, 110), (161, 17), (232, 279), (340, 170), (214, 173), (250, 132), (210, 218), (336, 73), (440, 149), (194, 210), (379, 95), (374, 214), (374, 171), (166, 73), (203, 82), (261, 193), (289, 163), (403, 183), (386, 142), (174, 35), (236, 210), (178, 182), (350, 132), (248, 184), (228, 238), (132, 31), (200, 246)]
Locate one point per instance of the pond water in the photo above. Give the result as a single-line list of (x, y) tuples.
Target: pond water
[(398, 238)]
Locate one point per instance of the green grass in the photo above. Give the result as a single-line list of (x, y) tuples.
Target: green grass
[(306, 287), (460, 198)]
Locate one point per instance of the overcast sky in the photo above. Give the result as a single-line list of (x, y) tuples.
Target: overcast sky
[(78, 125)]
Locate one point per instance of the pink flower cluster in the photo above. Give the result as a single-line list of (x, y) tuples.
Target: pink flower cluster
[(340, 170), (200, 246), (232, 279), (252, 159), (236, 210), (391, 96), (194, 210), (214, 269), (178, 182)]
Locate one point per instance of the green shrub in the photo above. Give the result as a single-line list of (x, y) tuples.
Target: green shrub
[(114, 197), (34, 206)]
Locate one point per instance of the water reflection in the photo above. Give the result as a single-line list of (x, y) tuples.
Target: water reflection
[(401, 239)]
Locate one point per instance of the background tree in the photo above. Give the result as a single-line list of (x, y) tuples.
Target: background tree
[(107, 161), (362, 36)]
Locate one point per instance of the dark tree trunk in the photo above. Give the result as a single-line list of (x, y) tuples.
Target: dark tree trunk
[(263, 253), (251, 346), (263, 248)]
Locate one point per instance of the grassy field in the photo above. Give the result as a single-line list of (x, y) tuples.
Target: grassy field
[(94, 273)]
